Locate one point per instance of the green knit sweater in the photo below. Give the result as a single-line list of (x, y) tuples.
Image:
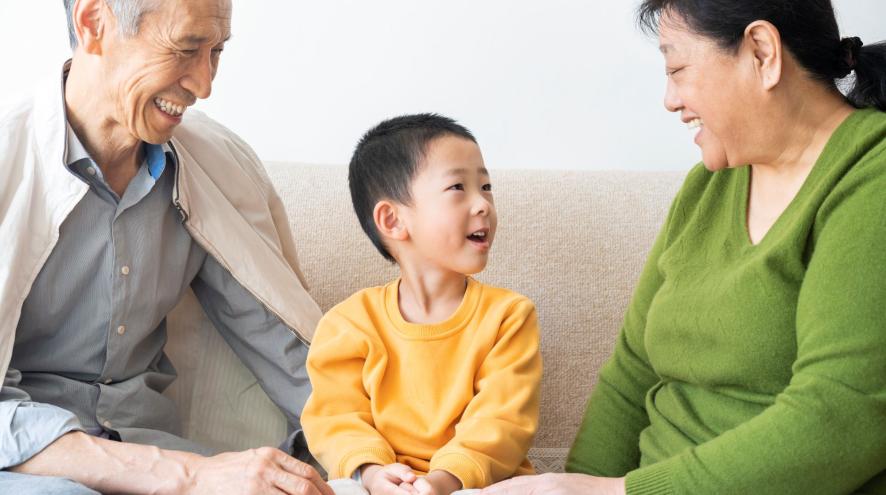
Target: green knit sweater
[(755, 369)]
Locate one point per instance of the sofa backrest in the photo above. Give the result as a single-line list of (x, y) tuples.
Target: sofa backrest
[(574, 242)]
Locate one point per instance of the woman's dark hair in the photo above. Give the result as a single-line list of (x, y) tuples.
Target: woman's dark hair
[(808, 29), (386, 160)]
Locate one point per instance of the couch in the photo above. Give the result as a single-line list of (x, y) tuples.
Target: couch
[(572, 241)]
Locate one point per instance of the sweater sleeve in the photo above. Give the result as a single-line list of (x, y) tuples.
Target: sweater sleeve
[(497, 428), (607, 443), (826, 431), (337, 419)]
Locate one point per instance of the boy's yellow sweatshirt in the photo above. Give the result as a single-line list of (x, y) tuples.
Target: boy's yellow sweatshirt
[(461, 395)]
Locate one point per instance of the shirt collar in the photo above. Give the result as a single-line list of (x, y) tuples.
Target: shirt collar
[(155, 154), (75, 149)]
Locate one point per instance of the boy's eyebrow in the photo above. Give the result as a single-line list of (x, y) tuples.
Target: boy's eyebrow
[(463, 171)]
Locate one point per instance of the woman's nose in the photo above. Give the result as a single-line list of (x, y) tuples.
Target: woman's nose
[(672, 99)]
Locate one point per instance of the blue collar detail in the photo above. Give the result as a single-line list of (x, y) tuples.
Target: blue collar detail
[(156, 159)]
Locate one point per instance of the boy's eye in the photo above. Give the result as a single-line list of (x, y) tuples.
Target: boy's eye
[(670, 71), (456, 187), (487, 187)]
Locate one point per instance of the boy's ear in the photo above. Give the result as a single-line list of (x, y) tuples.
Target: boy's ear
[(388, 221)]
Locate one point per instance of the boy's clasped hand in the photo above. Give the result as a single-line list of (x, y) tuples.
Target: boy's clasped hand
[(399, 479)]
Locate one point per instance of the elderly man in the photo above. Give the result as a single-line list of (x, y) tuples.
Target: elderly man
[(114, 200)]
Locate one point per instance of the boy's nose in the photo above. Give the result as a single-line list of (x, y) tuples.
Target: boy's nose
[(481, 206)]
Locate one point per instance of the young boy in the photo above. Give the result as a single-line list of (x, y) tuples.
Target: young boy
[(429, 384)]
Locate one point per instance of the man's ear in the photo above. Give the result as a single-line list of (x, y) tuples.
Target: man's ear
[(763, 43), (88, 18), (388, 221)]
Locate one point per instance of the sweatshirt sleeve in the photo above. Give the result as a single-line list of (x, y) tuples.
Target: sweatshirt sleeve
[(826, 431), (337, 419), (497, 428), (608, 440)]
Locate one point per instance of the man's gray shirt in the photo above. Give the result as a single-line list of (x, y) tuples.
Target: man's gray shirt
[(88, 351)]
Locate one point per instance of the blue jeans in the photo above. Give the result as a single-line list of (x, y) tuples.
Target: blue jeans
[(26, 484)]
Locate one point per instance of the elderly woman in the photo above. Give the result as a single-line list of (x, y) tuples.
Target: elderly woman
[(753, 354)]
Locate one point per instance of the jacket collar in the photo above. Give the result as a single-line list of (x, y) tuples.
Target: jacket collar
[(50, 126)]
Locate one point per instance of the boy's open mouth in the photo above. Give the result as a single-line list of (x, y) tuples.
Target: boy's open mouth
[(479, 236)]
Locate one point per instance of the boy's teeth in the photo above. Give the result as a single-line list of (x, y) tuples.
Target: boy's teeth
[(694, 124)]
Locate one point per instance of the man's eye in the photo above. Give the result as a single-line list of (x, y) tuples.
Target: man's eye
[(671, 72), (487, 187), (188, 53), (217, 51), (457, 187)]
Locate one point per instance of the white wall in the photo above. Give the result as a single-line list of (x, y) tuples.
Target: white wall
[(553, 83)]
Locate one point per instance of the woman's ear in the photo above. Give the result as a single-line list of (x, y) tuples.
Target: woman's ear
[(763, 41), (388, 221), (88, 18)]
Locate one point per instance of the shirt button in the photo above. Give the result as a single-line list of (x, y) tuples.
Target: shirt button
[(121, 330), (106, 424), (90, 170), (125, 270)]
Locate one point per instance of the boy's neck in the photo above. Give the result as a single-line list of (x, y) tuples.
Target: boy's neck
[(428, 297)]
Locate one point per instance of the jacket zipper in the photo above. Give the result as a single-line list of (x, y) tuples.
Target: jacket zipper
[(184, 215)]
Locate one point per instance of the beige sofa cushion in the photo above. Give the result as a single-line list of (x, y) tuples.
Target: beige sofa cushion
[(574, 242)]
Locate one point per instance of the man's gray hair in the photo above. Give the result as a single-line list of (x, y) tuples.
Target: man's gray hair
[(128, 13)]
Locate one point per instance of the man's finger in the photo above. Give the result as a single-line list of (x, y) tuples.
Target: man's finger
[(293, 484), (302, 470)]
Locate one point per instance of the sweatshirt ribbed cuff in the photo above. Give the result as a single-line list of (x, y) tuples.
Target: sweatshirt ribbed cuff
[(462, 467), (650, 480)]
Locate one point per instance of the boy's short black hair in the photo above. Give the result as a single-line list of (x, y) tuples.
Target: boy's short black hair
[(386, 160)]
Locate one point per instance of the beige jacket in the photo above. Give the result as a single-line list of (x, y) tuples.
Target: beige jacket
[(222, 191)]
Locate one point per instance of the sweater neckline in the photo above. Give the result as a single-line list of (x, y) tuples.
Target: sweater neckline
[(818, 168), (432, 331)]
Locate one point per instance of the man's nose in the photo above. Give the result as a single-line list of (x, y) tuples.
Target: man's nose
[(199, 78)]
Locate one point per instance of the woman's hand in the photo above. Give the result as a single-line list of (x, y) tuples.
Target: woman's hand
[(558, 484)]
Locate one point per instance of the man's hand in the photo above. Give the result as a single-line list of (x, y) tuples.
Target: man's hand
[(557, 484), (392, 479), (257, 471), (118, 467), (437, 482)]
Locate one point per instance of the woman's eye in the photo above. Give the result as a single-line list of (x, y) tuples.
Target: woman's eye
[(671, 72), (487, 187), (217, 51), (456, 187)]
